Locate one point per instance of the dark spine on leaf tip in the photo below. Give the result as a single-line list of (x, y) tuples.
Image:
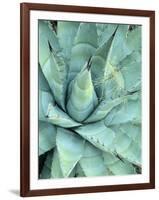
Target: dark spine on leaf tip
[(89, 63)]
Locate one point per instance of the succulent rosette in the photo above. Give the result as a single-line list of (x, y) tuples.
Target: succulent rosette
[(89, 99)]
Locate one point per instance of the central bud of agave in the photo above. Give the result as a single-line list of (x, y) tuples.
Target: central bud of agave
[(82, 99), (89, 99)]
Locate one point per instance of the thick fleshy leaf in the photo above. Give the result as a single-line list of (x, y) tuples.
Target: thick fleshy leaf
[(132, 130), (55, 71), (45, 95), (119, 48), (45, 98), (138, 136), (97, 134), (104, 108), (56, 171), (98, 66), (83, 48), (58, 117), (133, 154), (46, 171), (92, 161), (133, 134), (52, 62), (130, 68), (127, 148), (122, 143), (47, 137), (134, 38), (82, 99), (43, 84), (116, 79), (114, 86), (118, 166), (46, 34), (70, 148), (66, 32), (129, 111), (105, 31), (113, 82)]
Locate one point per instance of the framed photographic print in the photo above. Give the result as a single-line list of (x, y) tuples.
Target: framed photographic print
[(87, 99)]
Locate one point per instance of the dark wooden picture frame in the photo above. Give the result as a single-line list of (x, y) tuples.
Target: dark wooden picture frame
[(25, 9)]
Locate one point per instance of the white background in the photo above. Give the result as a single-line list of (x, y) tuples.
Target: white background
[(10, 100)]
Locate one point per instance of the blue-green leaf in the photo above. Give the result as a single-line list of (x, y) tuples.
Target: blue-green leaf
[(55, 71), (113, 81), (127, 148), (105, 31), (82, 99), (56, 171), (45, 95), (104, 108), (70, 149), (119, 48), (43, 84), (98, 66), (132, 130), (133, 134), (66, 32), (46, 34), (92, 161), (58, 117), (83, 48), (134, 38), (97, 134), (47, 137), (128, 111), (130, 68), (131, 152), (119, 78), (45, 98), (117, 166)]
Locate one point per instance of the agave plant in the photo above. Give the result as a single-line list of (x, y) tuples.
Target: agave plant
[(89, 99)]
